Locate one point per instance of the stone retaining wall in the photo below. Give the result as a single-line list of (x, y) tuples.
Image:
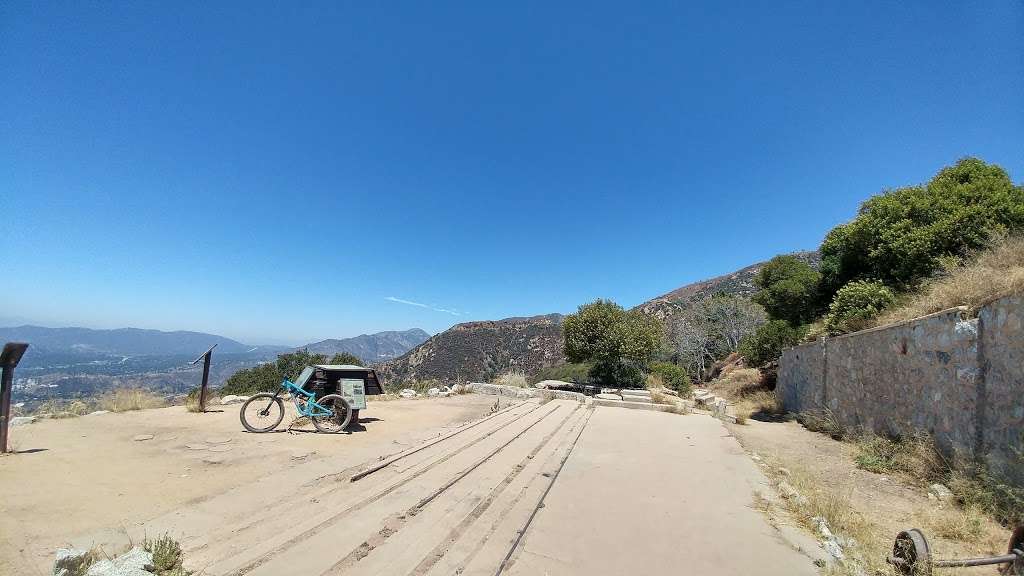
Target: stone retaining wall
[(958, 379)]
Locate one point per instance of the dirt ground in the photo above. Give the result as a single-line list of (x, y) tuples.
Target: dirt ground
[(89, 474), (886, 504)]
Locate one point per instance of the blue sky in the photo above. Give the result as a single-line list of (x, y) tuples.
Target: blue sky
[(283, 173)]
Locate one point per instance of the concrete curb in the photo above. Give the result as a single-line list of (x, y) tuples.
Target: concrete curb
[(524, 393)]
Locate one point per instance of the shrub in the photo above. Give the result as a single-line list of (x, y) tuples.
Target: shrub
[(620, 344), (346, 358), (767, 344), (567, 372), (672, 376), (993, 273), (246, 382), (167, 557), (789, 290), (856, 304), (901, 236)]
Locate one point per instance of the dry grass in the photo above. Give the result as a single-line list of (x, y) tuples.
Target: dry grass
[(126, 399), (744, 389), (915, 457), (870, 545), (512, 378), (991, 274), (654, 382), (825, 423)]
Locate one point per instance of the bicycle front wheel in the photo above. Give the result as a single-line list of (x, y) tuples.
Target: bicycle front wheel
[(336, 422), (261, 412)]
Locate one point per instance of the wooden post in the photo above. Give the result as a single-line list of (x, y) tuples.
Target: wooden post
[(9, 358), (206, 376)]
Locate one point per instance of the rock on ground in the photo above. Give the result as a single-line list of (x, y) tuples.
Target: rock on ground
[(233, 399), (131, 563)]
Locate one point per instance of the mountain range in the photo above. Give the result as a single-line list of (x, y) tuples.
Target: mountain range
[(481, 350), (372, 347)]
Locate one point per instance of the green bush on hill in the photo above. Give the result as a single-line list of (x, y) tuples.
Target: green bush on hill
[(567, 372), (789, 290), (673, 376), (856, 304), (767, 344), (268, 376), (619, 344), (901, 236)]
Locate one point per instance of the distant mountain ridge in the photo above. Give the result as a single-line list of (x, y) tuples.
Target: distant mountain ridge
[(481, 350), (122, 341), (372, 347)]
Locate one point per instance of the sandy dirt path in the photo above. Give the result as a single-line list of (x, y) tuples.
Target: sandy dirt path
[(86, 480), (534, 488)]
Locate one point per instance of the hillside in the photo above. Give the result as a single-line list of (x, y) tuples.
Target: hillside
[(120, 342), (372, 347), (481, 350), (738, 283)]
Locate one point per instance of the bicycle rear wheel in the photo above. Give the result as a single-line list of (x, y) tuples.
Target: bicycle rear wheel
[(261, 412), (336, 422)]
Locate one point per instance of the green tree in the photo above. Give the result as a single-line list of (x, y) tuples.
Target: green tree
[(346, 358), (767, 343), (788, 290), (673, 376), (855, 304), (900, 236), (619, 344), (261, 378)]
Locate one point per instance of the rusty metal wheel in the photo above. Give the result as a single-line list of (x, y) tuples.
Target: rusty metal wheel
[(911, 555)]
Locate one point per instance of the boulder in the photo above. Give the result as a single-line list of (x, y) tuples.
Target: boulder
[(131, 563), (98, 412), (70, 561), (445, 391), (604, 396), (233, 399), (408, 393), (22, 420), (941, 492), (434, 392)]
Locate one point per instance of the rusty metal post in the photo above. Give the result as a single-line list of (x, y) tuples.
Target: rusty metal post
[(9, 358), (206, 376)]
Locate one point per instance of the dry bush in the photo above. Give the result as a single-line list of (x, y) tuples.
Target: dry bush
[(824, 422), (655, 382), (915, 457), (737, 383), (512, 378), (745, 389), (126, 399), (991, 274)]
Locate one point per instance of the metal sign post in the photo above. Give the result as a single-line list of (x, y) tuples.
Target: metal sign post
[(9, 358), (205, 357)]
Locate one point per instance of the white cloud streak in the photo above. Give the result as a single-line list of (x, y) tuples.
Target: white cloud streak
[(433, 307)]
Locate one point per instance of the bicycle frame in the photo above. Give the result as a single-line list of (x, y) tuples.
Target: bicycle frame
[(307, 408)]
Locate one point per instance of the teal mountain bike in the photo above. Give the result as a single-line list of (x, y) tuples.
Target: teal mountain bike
[(264, 411)]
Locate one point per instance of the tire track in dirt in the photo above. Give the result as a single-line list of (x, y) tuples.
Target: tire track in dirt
[(396, 524), (294, 538), (296, 503)]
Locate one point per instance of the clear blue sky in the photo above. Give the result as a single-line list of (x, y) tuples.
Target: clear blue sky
[(275, 173)]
